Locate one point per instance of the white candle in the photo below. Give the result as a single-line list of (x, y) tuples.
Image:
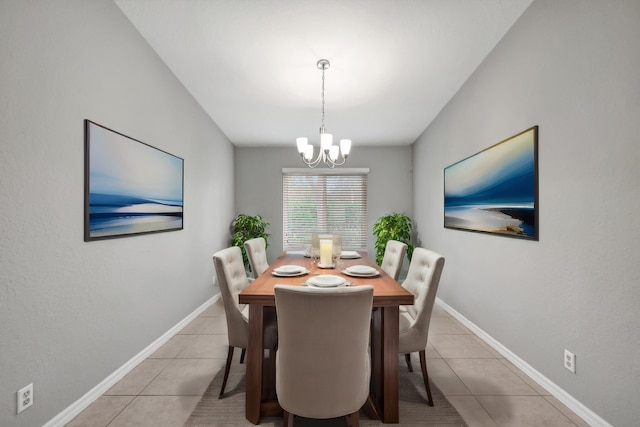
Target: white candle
[(326, 250)]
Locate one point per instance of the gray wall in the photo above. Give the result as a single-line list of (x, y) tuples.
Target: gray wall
[(259, 184), (71, 312), (570, 67)]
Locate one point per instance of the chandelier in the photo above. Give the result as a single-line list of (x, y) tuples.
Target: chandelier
[(329, 154)]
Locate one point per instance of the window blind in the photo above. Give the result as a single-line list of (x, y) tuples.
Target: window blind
[(330, 202)]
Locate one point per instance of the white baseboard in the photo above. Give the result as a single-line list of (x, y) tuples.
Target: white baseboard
[(81, 404), (572, 403)]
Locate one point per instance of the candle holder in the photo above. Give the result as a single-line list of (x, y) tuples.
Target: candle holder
[(326, 253), (337, 250)]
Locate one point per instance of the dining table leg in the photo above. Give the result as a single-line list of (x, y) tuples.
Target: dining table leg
[(384, 349), (254, 363), (391, 329)]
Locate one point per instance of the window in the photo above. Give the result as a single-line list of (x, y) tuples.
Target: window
[(324, 201)]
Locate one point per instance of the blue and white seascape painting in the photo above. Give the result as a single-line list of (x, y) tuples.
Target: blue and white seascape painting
[(132, 188), (494, 191)]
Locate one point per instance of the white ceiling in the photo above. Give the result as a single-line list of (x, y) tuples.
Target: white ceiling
[(251, 64)]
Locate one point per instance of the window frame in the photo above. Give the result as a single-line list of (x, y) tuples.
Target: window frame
[(357, 241)]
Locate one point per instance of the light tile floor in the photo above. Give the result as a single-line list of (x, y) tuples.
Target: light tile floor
[(486, 389)]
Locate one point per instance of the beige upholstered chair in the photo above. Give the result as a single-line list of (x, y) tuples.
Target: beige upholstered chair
[(257, 254), (393, 258), (322, 363), (422, 281), (232, 279)]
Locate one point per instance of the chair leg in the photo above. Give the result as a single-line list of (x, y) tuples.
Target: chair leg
[(407, 358), (244, 350), (370, 409), (353, 420), (425, 376), (226, 371), (287, 418)]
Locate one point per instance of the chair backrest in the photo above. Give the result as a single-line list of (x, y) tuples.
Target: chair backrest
[(422, 281), (393, 258), (322, 364), (232, 279), (257, 254)]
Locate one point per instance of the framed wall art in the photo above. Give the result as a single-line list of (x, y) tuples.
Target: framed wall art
[(131, 188), (496, 190)]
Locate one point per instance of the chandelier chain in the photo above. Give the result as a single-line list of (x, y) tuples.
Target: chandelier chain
[(322, 127)]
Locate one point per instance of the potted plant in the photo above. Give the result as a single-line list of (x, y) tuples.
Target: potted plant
[(246, 227), (392, 227)]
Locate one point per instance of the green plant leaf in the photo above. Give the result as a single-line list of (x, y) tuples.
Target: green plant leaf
[(246, 227), (392, 227)]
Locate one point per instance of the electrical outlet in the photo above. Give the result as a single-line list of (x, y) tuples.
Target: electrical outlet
[(570, 361), (25, 397)]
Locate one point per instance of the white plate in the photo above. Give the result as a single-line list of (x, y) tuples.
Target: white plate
[(326, 281), (298, 273), (350, 255), (301, 273), (361, 269), (349, 273), (289, 269)]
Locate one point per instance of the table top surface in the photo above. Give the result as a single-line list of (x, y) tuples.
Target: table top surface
[(386, 291)]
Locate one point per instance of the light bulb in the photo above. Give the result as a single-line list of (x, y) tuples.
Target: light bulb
[(345, 147), (308, 152), (333, 152), (302, 144), (326, 140)]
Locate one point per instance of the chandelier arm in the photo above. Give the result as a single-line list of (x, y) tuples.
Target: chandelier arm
[(316, 162), (322, 156), (338, 163)]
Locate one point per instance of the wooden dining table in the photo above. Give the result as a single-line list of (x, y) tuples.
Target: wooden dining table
[(388, 295)]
